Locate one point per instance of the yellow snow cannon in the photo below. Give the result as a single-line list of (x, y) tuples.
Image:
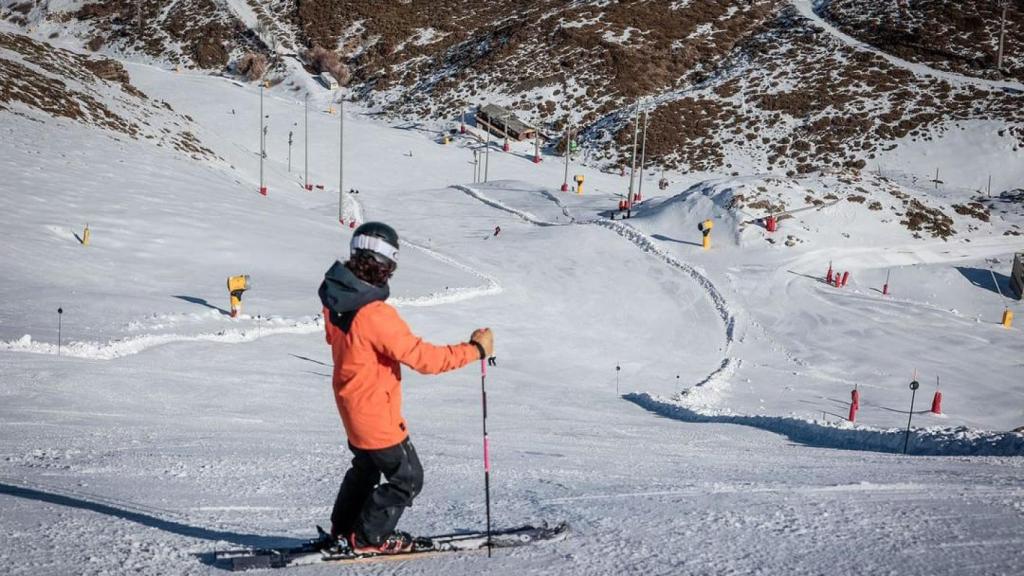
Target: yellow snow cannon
[(705, 229), (236, 286)]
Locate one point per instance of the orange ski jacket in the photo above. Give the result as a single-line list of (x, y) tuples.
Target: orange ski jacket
[(367, 378)]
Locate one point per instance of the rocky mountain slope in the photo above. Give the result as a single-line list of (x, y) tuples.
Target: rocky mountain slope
[(955, 36), (731, 86)]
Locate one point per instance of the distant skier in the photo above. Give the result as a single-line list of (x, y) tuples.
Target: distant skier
[(497, 230), (492, 361), (368, 341)]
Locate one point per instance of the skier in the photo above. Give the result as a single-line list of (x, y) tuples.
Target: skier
[(497, 230), (368, 341)]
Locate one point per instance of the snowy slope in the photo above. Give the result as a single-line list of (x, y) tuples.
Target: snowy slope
[(166, 430)]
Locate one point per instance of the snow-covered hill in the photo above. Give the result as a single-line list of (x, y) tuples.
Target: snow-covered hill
[(685, 410)]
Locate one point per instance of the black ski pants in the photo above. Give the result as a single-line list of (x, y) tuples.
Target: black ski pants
[(369, 507)]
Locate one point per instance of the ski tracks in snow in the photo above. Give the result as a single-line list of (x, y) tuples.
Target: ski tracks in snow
[(704, 391), (505, 207)]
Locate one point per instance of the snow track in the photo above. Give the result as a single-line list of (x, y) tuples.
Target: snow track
[(490, 288), (532, 219), (707, 389), (269, 326), (646, 244), (135, 344)]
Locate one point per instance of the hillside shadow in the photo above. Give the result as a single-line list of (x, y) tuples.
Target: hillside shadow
[(201, 302), (982, 278), (664, 238), (181, 529), (844, 436)]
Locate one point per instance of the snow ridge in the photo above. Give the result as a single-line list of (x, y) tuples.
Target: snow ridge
[(491, 287), (959, 441), (133, 345), (713, 383), (647, 245), (532, 219), (267, 326)]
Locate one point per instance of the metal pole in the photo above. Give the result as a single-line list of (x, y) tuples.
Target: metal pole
[(487, 452), (306, 135), (1002, 36), (341, 145), (913, 388), (487, 153), (261, 136), (289, 151), (568, 144), (632, 169), (476, 166), (60, 314), (505, 146), (617, 369), (643, 152)]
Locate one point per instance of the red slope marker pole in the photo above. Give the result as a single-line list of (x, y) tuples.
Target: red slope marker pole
[(487, 452)]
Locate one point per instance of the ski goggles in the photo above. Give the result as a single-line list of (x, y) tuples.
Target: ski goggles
[(378, 246)]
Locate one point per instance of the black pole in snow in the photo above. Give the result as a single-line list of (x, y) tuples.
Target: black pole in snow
[(913, 392), (60, 313)]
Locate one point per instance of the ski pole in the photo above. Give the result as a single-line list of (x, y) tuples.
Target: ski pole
[(487, 455)]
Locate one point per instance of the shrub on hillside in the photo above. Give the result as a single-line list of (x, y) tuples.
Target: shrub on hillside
[(253, 66)]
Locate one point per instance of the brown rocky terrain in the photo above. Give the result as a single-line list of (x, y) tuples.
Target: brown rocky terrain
[(38, 78), (948, 35), (723, 78)]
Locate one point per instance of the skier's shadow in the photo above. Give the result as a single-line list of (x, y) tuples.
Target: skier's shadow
[(237, 538)]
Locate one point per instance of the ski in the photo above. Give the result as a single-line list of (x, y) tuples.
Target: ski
[(317, 551)]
